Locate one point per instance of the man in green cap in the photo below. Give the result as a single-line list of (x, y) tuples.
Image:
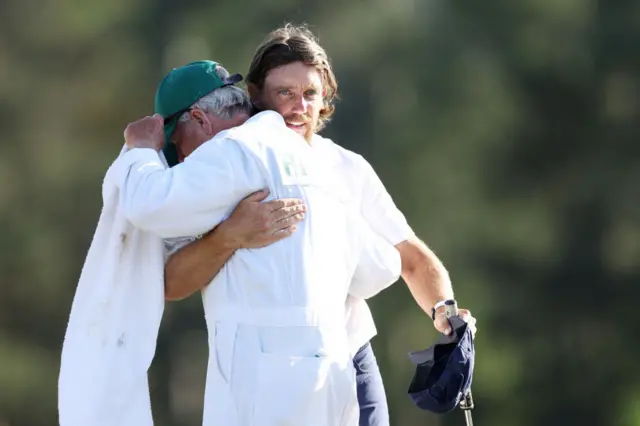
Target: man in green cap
[(185, 86), (279, 348)]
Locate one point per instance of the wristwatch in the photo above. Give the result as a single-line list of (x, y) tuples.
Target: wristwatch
[(447, 302)]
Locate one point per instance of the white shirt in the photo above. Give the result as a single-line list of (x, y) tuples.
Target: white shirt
[(362, 187), (333, 252)]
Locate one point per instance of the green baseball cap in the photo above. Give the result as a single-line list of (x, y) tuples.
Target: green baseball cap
[(180, 89)]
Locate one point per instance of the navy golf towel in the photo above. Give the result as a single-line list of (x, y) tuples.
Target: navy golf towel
[(444, 370)]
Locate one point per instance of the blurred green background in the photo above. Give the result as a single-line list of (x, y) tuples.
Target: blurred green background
[(506, 131)]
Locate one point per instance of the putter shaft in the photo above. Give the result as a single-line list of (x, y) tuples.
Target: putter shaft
[(466, 404)]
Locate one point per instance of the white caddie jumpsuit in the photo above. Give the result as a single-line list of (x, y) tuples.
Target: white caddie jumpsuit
[(279, 353)]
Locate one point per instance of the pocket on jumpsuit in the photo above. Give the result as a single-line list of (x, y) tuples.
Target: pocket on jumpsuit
[(298, 391)]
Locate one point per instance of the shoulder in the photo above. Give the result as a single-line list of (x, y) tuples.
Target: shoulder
[(219, 153), (224, 143), (348, 159), (264, 126), (258, 123)]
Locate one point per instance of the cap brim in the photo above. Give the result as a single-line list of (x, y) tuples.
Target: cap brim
[(169, 149), (232, 79)]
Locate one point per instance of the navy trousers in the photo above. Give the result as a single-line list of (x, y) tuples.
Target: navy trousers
[(372, 398)]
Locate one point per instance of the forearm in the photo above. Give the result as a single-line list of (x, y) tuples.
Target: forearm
[(425, 275), (194, 266)]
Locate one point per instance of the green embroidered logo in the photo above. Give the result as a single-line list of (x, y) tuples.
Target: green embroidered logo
[(293, 167)]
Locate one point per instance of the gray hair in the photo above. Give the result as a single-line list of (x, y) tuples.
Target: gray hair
[(224, 102)]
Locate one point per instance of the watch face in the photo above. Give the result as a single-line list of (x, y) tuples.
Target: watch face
[(451, 309)]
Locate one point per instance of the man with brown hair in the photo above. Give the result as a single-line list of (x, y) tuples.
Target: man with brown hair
[(291, 74)]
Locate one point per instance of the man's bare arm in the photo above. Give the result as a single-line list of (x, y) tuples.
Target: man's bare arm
[(252, 224), (193, 266), (425, 275)]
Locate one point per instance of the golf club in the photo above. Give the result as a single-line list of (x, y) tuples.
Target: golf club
[(466, 404)]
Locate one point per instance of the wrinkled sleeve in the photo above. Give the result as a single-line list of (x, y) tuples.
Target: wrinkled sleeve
[(378, 208), (379, 263), (190, 198), (173, 245)]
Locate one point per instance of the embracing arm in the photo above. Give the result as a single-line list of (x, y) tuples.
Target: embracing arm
[(195, 265), (190, 198), (252, 224)]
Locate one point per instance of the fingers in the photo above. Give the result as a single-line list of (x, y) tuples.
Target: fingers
[(276, 205), (285, 227), (283, 203), (472, 327), (258, 195), (466, 316), (145, 133), (262, 223), (285, 232), (287, 212), (288, 221), (277, 236), (442, 324)]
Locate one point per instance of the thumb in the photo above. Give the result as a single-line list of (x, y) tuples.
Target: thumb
[(258, 195), (158, 117)]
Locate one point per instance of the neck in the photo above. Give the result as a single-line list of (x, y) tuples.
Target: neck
[(254, 109)]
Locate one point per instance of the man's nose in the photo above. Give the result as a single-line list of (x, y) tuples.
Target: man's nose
[(299, 105)]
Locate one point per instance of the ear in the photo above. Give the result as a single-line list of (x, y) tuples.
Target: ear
[(254, 94), (202, 119), (198, 115)]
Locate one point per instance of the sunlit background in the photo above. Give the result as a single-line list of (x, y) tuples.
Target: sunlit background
[(506, 131)]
